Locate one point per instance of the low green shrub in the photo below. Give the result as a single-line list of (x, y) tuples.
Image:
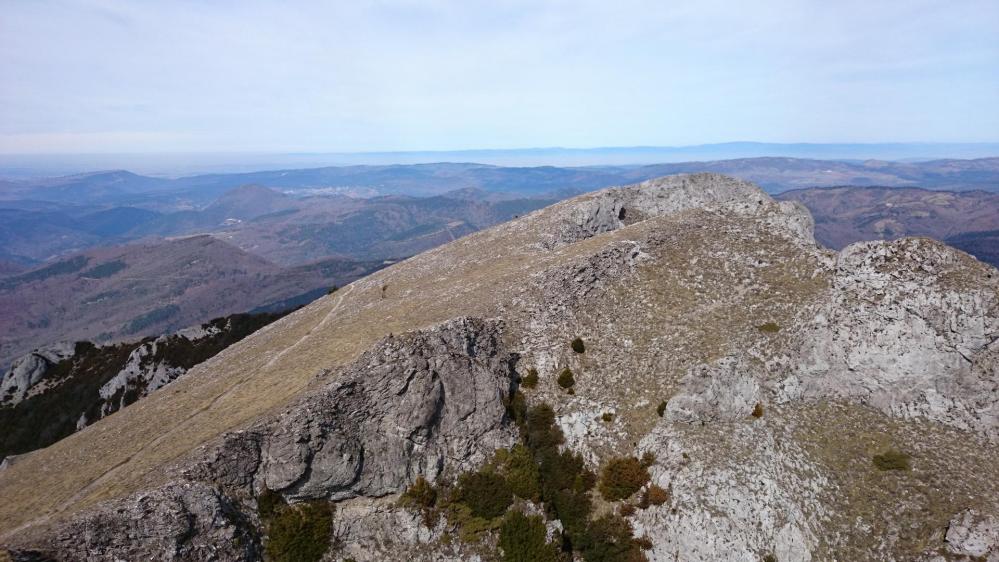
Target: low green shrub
[(661, 408), (578, 346), (523, 473), (530, 380), (610, 539), (573, 510), (564, 470), (769, 328), (565, 484), (268, 504), (296, 533), (758, 410), (421, 495), (486, 494), (516, 407), (607, 417), (524, 539), (471, 527), (539, 430), (565, 378), (622, 477), (892, 460)]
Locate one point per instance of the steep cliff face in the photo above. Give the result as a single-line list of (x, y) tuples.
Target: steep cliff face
[(720, 388)]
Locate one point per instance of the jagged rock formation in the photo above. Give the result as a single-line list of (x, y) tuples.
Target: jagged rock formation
[(797, 404), (157, 362), (971, 534), (723, 391), (416, 405), (614, 208), (54, 391), (413, 406), (185, 521)]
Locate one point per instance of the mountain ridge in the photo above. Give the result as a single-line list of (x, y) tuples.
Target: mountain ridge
[(672, 284)]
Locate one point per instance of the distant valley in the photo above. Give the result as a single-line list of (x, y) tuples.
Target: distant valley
[(127, 292), (112, 255), (967, 220), (774, 174), (295, 216)]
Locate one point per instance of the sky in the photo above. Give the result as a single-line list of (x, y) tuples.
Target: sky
[(94, 76)]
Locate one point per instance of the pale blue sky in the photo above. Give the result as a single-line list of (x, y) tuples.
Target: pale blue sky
[(145, 76)]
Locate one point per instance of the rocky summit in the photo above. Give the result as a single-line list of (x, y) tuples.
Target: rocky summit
[(672, 370)]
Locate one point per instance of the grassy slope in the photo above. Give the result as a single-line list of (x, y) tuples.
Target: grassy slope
[(266, 370)]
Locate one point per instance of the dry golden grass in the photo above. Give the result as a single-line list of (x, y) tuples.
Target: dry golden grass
[(950, 471), (132, 449)]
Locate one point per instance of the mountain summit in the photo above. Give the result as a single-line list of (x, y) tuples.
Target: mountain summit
[(672, 370)]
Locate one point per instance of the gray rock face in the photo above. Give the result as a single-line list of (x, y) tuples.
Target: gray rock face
[(185, 521), (723, 391), (429, 403), (611, 209), (738, 493), (911, 329), (142, 374), (413, 406), (28, 370), (973, 534)]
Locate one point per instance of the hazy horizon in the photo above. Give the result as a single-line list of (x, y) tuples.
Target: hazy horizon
[(176, 164)]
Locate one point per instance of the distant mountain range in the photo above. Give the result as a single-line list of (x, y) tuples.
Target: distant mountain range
[(38, 165), (281, 228), (365, 212), (774, 174), (110, 255)]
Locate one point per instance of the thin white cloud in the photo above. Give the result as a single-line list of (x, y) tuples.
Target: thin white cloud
[(442, 74)]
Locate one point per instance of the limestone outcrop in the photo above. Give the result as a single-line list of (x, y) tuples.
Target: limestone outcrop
[(416, 405), (611, 209), (430, 403), (911, 328)]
